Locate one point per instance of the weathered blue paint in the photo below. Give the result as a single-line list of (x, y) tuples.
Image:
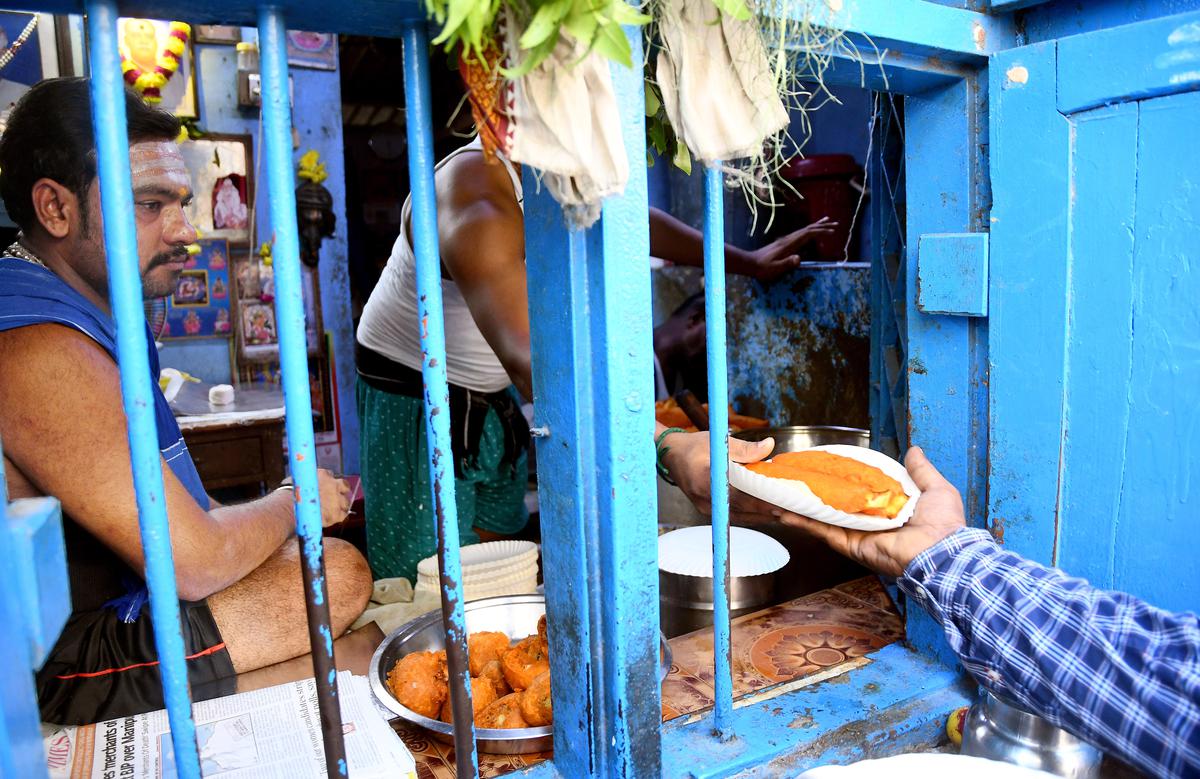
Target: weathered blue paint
[(125, 292), (1063, 18), (1153, 58), (556, 265), (718, 442), (1111, 417), (952, 274), (293, 362), (1004, 6), (437, 391), (1027, 293), (899, 701), (939, 159), (914, 27), (1100, 269), (21, 751), (625, 629), (39, 569)]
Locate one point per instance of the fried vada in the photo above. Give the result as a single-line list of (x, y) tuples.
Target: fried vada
[(483, 693), (483, 647), (525, 662), (418, 680), (536, 706), (502, 713)]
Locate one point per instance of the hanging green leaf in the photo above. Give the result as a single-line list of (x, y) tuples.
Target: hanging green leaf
[(682, 159), (623, 13), (545, 23), (653, 103), (612, 44)]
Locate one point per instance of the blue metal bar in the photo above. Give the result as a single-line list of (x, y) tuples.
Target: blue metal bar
[(137, 388), (718, 437), (625, 625), (293, 361), (437, 391), (561, 363)]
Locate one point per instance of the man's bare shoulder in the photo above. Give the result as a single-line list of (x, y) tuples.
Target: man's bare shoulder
[(26, 347), (469, 179)]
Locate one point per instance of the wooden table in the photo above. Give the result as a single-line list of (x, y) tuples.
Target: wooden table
[(236, 445)]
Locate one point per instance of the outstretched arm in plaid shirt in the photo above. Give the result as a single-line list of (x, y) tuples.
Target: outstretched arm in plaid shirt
[(1103, 665)]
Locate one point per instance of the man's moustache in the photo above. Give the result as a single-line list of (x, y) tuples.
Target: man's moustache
[(175, 255)]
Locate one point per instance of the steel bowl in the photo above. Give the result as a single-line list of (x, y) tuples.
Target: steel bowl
[(999, 730), (686, 602), (515, 615), (797, 437)]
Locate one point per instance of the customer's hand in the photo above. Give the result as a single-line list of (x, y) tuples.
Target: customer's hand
[(939, 513), (687, 462), (780, 256), (335, 498)]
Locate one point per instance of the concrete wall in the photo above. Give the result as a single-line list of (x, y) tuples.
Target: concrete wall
[(318, 120)]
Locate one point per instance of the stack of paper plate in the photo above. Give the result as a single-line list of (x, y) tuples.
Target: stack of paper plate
[(490, 569)]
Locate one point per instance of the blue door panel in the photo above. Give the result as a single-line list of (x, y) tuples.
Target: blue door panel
[(1096, 424), (1094, 299), (1157, 523)]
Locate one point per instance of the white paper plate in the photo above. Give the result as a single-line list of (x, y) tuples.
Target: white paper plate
[(487, 557), (689, 551), (795, 495)]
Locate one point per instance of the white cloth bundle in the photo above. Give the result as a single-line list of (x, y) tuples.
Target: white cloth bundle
[(716, 82), (564, 121)]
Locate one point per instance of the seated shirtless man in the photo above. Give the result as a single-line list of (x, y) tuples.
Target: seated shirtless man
[(64, 432)]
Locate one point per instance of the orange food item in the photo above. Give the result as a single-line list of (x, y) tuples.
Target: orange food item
[(670, 414), (536, 706), (482, 695), (483, 647), (541, 627), (843, 483), (502, 713), (494, 673), (525, 662), (418, 680)]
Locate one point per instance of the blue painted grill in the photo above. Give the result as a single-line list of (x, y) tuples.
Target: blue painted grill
[(592, 358)]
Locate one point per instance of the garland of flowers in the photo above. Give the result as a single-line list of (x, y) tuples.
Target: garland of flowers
[(12, 50), (150, 84)]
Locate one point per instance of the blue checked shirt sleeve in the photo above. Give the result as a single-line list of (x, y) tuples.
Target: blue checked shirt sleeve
[(1103, 665)]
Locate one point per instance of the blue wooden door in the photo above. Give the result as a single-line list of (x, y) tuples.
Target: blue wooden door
[(1094, 345)]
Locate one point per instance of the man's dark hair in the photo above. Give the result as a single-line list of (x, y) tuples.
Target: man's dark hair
[(49, 135)]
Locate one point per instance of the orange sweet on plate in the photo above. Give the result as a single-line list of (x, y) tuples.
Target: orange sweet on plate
[(841, 482)]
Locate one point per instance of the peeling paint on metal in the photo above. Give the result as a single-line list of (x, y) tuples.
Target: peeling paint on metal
[(1017, 74)]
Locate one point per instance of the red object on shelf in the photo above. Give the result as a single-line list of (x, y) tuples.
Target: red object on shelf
[(823, 183)]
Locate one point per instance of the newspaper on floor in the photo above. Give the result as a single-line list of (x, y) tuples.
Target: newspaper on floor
[(274, 733)]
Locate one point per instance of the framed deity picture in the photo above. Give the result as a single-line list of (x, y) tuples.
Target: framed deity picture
[(143, 47), (314, 50), (201, 304), (222, 186), (218, 33)]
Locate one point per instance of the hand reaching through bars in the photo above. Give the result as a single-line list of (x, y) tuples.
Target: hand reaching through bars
[(686, 458), (780, 256), (939, 513)]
